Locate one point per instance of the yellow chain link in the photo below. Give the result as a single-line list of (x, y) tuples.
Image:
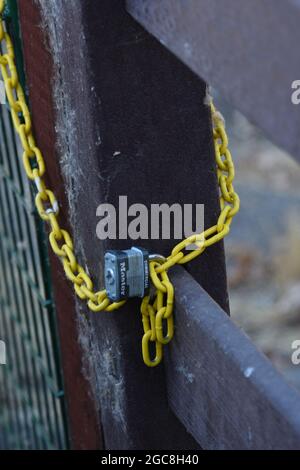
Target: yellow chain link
[(157, 314), (159, 310)]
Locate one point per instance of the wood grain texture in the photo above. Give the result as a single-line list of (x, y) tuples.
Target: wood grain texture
[(148, 108), (130, 120), (221, 387), (246, 50)]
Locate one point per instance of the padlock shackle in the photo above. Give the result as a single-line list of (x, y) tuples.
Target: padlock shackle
[(157, 258)]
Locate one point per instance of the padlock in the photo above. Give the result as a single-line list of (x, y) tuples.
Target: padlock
[(126, 273)]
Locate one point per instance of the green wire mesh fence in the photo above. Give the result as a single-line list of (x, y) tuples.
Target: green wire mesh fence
[(32, 409)]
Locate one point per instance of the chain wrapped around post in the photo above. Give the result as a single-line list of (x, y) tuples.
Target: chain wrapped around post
[(157, 312)]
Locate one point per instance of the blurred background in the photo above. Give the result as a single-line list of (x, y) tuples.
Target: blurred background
[(263, 249)]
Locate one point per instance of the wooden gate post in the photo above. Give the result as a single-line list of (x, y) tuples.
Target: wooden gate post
[(83, 423), (130, 119)]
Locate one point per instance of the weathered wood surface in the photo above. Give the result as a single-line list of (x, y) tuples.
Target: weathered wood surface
[(224, 391), (130, 120), (245, 49), (84, 428)]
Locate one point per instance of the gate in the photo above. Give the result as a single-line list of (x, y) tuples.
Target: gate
[(118, 100)]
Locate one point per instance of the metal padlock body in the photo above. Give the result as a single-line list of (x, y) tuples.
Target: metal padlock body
[(126, 273)]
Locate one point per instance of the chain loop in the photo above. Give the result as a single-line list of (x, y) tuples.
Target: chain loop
[(46, 197)]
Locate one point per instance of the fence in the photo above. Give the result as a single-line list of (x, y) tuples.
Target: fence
[(117, 113), (32, 399)]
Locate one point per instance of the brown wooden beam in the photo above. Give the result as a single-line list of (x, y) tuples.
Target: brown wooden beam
[(227, 394), (130, 120), (245, 49)]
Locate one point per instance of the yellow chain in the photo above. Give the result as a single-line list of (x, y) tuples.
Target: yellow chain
[(160, 310)]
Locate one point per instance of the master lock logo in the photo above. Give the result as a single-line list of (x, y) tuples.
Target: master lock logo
[(160, 222), (2, 353)]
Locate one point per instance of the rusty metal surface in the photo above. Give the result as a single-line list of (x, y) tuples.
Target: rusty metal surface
[(247, 50)]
